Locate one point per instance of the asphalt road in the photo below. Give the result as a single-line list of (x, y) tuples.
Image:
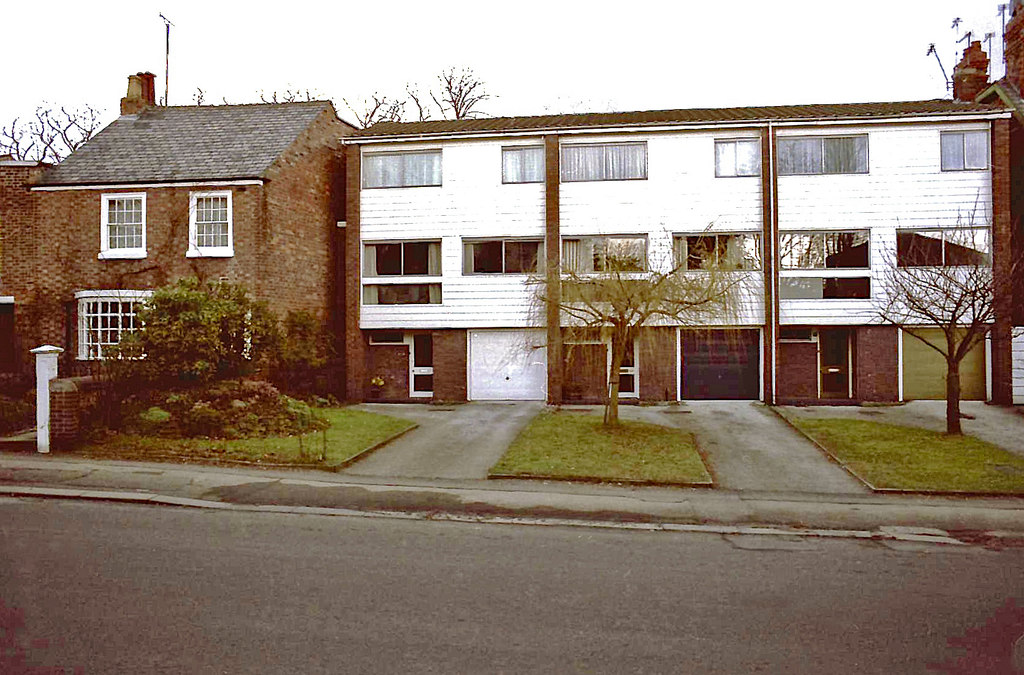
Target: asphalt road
[(119, 588)]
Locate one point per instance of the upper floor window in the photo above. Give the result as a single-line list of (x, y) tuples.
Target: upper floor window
[(522, 164), (824, 250), (402, 258), (605, 254), (209, 225), (964, 150), (604, 161), (104, 317), (823, 155), (402, 294), (725, 251), (741, 157), (123, 226), (417, 168), (939, 248), (501, 256)]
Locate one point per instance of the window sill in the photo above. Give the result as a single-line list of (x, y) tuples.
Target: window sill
[(210, 253), (127, 254)]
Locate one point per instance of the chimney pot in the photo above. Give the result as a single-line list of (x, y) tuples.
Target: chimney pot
[(141, 93)]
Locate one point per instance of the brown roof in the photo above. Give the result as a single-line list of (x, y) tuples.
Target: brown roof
[(829, 111)]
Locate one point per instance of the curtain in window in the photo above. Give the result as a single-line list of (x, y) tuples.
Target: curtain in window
[(952, 152), (370, 261), (422, 168), (402, 169), (799, 155), (846, 154), (434, 258), (434, 294), (618, 161), (571, 255), (522, 165), (736, 158), (976, 150)]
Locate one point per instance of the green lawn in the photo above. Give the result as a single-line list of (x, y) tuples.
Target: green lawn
[(576, 446), (906, 458), (351, 432)]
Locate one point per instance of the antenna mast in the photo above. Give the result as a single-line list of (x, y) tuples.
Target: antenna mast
[(167, 57)]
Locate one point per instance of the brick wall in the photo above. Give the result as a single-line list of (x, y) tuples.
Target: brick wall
[(355, 342), (797, 377), (1002, 265), (390, 362), (876, 356), (585, 370), (450, 347), (657, 362), (71, 400)]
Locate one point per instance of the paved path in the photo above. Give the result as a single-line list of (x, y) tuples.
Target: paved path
[(458, 441), (749, 447)]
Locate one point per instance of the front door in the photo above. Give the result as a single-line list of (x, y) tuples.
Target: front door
[(834, 362), (421, 376)]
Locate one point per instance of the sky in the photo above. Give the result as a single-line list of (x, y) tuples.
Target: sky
[(535, 56)]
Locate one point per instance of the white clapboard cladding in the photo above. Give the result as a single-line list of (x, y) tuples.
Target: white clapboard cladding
[(1018, 365)]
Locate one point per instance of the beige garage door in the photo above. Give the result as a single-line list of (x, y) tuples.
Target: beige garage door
[(924, 369)]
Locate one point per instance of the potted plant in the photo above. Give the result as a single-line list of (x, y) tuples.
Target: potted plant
[(376, 386)]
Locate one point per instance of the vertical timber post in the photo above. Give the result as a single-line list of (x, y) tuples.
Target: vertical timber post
[(46, 370)]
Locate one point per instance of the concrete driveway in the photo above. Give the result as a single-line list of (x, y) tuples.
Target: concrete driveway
[(1001, 426), (748, 447), (457, 441)]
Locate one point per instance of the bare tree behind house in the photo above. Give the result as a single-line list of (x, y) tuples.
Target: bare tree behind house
[(51, 135), (459, 94), (377, 108), (608, 286), (943, 279), (289, 95), (418, 102)]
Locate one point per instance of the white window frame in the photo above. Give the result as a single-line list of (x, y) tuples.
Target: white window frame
[(734, 142), (633, 370), (564, 176), (963, 150), (581, 241), (467, 260), (83, 299), (400, 155), (820, 171), (519, 149), (108, 253), (194, 249), (680, 249)]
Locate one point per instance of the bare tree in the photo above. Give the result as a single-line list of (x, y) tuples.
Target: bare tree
[(53, 134), (459, 93), (622, 295), (289, 95), (412, 92), (376, 108), (943, 278), (199, 98)]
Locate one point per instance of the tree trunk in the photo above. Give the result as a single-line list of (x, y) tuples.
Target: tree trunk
[(953, 397), (611, 408)]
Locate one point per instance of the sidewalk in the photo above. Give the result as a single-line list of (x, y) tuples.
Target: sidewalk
[(544, 502)]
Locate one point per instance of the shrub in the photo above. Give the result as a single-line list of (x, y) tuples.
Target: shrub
[(301, 367), (226, 409), (191, 332), (15, 415)]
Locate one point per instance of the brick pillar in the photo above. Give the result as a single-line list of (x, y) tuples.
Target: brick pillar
[(355, 346), (552, 259), (769, 258), (1002, 265), (450, 347), (65, 410)]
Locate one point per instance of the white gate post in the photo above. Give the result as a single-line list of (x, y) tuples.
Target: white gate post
[(46, 370)]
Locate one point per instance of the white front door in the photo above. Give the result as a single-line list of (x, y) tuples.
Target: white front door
[(507, 365), (421, 366)]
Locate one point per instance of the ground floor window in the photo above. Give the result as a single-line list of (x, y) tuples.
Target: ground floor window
[(104, 317)]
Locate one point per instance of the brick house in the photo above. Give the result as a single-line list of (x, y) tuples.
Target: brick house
[(448, 220), (251, 194)]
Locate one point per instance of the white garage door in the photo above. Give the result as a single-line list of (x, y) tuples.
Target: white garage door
[(1018, 365), (507, 365)]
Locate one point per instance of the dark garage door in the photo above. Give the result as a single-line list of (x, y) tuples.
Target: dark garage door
[(721, 364)]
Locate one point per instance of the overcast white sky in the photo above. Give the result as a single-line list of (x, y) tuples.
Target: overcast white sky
[(536, 56)]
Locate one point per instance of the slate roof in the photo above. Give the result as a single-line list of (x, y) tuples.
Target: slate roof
[(829, 111), (187, 143)]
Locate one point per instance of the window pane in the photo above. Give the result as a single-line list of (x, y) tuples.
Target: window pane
[(700, 252), (846, 249), (618, 161), (919, 248), (739, 251), (952, 151), (976, 150), (799, 156), (389, 259), (725, 158), (486, 257), (522, 165), (967, 247), (404, 294), (857, 288), (619, 254), (402, 169), (846, 154), (423, 350), (748, 158), (521, 256), (791, 288), (416, 257), (802, 251)]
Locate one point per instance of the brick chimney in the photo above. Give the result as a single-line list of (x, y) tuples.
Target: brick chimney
[(1014, 46), (141, 93), (970, 77)]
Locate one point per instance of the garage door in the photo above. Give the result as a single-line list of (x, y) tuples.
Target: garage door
[(924, 369), (507, 365), (721, 364)]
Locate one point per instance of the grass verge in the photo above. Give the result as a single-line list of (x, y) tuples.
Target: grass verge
[(891, 457), (574, 446), (351, 432)]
